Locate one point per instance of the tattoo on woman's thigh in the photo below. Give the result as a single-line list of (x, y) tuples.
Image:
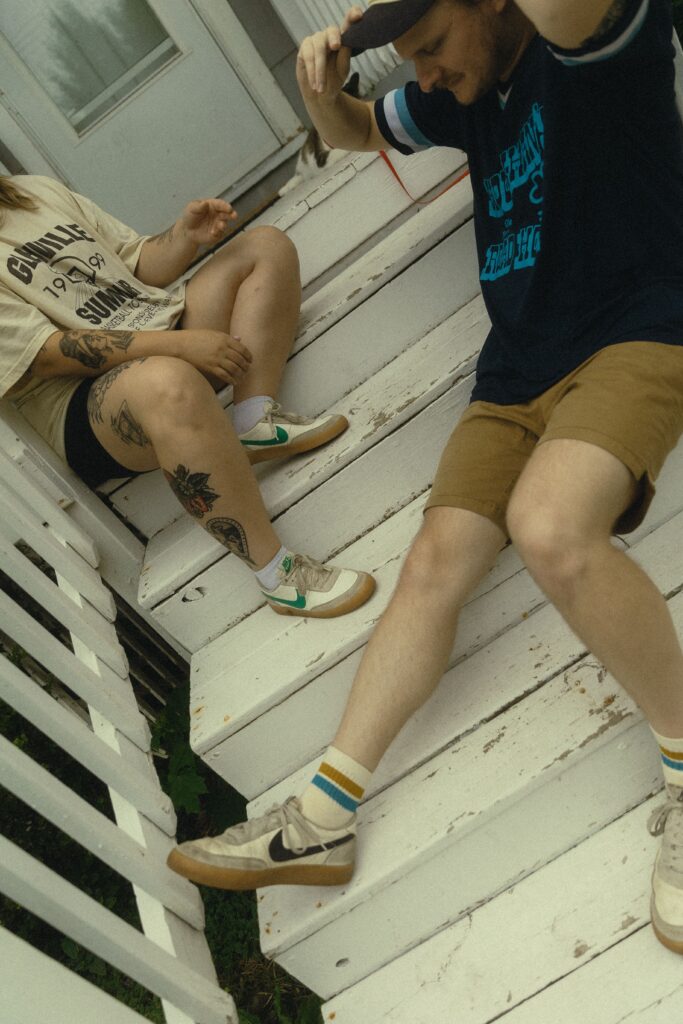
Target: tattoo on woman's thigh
[(100, 386), (231, 535), (192, 490), (127, 428)]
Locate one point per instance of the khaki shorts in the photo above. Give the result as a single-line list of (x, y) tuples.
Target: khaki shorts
[(627, 399)]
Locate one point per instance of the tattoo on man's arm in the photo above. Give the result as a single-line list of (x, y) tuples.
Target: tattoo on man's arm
[(608, 22), (192, 490), (127, 428), (231, 535), (90, 348)]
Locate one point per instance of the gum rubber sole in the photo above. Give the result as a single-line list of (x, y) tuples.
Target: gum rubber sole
[(306, 443), (342, 606), (233, 879), (673, 944)]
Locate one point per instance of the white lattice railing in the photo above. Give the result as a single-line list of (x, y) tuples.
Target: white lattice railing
[(170, 956), (305, 16)]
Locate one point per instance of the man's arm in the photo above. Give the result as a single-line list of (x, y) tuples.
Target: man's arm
[(573, 23), (322, 68), (164, 257), (90, 353)]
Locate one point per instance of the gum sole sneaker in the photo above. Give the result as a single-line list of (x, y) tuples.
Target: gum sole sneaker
[(279, 434), (667, 878), (321, 592), (280, 848)]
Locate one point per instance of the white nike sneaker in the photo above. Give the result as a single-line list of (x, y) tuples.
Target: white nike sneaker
[(667, 878), (279, 433), (279, 848), (321, 592)]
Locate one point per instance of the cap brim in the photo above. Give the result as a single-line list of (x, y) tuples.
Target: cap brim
[(383, 23)]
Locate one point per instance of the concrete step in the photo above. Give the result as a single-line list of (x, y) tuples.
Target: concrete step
[(265, 677), (571, 942), (307, 496), (374, 300)]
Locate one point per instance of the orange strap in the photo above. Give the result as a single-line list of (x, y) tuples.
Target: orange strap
[(420, 202)]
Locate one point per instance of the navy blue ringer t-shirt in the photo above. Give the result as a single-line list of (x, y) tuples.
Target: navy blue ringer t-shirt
[(577, 174)]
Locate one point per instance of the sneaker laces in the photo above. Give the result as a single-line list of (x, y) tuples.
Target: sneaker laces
[(662, 823), (275, 409), (279, 816), (306, 574)]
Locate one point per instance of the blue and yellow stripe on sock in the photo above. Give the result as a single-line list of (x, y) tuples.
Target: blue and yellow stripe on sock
[(672, 759), (339, 787)]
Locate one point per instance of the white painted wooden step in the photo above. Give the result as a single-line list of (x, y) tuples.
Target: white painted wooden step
[(353, 201), (253, 687), (352, 348), (571, 942), (475, 819), (313, 487)]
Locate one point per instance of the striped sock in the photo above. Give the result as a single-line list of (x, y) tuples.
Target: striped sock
[(672, 759), (331, 798)]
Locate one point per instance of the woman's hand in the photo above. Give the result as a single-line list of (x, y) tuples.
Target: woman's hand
[(206, 221), (216, 354)]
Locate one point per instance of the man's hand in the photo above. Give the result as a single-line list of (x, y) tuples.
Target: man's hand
[(219, 356), (206, 221), (323, 64)]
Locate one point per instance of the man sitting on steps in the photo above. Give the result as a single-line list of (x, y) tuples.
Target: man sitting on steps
[(118, 374), (567, 111)]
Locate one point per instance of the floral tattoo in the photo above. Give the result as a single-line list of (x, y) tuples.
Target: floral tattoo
[(192, 490)]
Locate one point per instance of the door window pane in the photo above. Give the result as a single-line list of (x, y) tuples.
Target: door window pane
[(89, 55)]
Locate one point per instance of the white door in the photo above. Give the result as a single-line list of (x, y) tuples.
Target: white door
[(134, 102)]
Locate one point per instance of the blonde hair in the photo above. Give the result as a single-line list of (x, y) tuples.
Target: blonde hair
[(12, 198)]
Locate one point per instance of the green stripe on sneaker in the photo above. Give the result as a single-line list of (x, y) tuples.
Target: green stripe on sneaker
[(281, 436), (299, 603)]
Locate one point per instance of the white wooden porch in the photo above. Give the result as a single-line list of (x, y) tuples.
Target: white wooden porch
[(504, 861)]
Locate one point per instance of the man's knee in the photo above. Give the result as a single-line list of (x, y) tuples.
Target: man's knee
[(550, 543)]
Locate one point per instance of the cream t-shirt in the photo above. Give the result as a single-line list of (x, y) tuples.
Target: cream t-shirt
[(67, 264)]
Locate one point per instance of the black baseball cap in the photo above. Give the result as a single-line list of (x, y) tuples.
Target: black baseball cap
[(384, 21)]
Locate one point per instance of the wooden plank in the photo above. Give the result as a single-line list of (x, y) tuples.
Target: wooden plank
[(87, 826), (73, 736), (47, 509), (380, 406), (366, 186), (101, 688), (18, 523), (463, 806), (85, 622), (550, 928), (65, 907), (39, 990), (319, 376)]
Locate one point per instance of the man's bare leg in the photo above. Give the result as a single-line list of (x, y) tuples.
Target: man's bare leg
[(408, 652), (560, 517)]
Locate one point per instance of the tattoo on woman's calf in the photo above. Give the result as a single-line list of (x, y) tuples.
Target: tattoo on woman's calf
[(192, 490), (231, 535)]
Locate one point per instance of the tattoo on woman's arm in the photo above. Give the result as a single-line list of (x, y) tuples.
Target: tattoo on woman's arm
[(608, 22), (192, 490), (231, 535), (164, 236), (90, 348)]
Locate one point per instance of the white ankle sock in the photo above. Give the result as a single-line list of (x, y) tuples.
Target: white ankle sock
[(672, 759), (246, 414), (267, 576), (331, 798)]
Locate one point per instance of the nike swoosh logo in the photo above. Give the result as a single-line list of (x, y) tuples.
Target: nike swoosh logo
[(281, 436), (280, 854), (299, 603)]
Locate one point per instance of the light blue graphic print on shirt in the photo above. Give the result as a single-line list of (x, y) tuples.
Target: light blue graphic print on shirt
[(521, 166)]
